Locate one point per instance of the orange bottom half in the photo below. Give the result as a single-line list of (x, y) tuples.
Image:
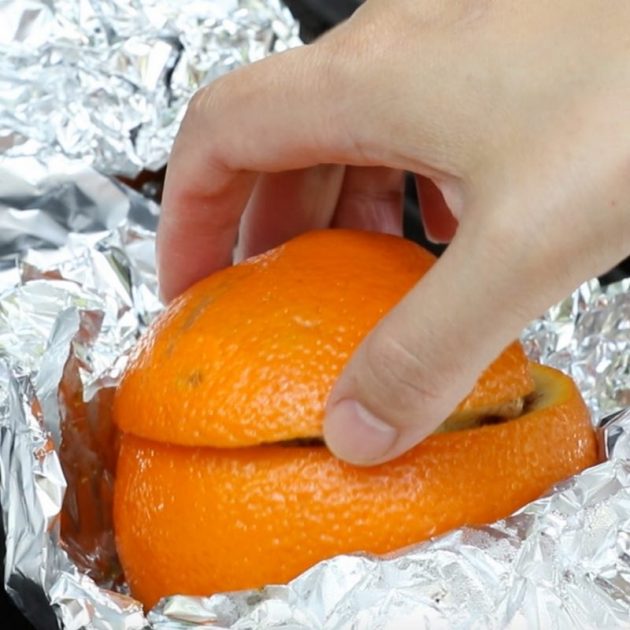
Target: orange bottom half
[(203, 520)]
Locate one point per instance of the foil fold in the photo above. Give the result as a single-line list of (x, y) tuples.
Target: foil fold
[(77, 287), (108, 81)]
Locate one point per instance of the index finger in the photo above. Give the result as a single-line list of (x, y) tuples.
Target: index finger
[(277, 114)]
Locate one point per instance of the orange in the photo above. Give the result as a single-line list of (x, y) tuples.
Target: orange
[(201, 520), (249, 354), (223, 482)]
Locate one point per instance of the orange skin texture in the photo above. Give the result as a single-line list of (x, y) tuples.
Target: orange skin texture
[(204, 499), (250, 354), (201, 520)]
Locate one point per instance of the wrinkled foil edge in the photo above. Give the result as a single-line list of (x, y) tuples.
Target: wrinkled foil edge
[(85, 296), (108, 81)]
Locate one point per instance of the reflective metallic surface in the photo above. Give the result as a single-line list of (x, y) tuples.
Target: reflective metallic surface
[(588, 336), (78, 285), (108, 80), (104, 83), (76, 290)]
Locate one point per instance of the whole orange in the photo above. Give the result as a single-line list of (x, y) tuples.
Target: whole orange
[(223, 482)]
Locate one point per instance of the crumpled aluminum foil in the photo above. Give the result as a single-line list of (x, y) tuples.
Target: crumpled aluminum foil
[(78, 285), (108, 80)]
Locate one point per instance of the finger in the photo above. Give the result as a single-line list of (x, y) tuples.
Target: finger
[(278, 114), (196, 236), (371, 199), (425, 356), (290, 111), (439, 223), (284, 205)]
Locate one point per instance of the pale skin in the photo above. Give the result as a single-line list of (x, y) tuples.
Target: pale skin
[(517, 112)]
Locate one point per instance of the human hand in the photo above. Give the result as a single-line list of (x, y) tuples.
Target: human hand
[(519, 114)]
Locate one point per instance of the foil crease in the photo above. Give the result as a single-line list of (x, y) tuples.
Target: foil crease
[(108, 81), (77, 286), (588, 336)]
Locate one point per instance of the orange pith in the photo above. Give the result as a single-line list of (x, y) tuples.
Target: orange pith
[(201, 520), (249, 355), (211, 495)]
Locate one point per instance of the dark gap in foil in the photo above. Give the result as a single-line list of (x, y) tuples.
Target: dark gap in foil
[(88, 456)]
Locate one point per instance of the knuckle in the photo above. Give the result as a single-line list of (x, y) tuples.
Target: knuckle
[(338, 80), (207, 99), (211, 117), (398, 374)]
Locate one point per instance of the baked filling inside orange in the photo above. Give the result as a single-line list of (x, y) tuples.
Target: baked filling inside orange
[(545, 394), (457, 421)]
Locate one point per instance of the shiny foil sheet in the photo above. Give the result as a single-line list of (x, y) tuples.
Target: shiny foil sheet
[(108, 80), (78, 285), (103, 84)]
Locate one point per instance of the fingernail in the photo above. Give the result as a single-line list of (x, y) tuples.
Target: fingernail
[(356, 435)]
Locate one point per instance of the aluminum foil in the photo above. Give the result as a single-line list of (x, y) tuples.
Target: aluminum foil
[(108, 80), (77, 285)]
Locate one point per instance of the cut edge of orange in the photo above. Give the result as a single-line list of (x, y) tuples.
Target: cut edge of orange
[(143, 407), (513, 461), (499, 391)]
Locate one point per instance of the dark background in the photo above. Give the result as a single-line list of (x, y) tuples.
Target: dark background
[(315, 17)]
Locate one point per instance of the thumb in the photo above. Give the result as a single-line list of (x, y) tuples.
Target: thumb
[(425, 356)]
